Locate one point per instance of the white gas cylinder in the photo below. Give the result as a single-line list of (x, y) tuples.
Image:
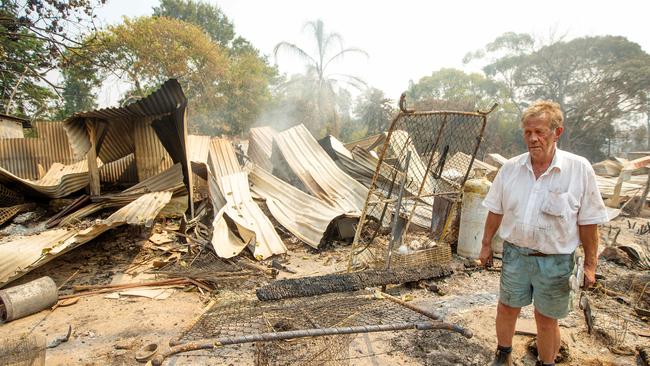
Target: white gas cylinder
[(472, 219)]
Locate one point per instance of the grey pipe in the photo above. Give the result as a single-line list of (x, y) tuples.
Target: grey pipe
[(27, 299)]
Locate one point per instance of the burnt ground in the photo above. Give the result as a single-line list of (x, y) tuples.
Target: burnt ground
[(109, 331)]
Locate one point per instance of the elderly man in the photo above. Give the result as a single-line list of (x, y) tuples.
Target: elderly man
[(544, 203)]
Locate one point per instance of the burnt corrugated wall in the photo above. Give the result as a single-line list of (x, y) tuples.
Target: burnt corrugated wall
[(22, 156), (31, 157), (151, 157)]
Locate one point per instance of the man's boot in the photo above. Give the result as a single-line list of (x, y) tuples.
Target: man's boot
[(502, 357)]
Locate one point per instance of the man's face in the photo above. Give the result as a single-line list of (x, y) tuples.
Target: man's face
[(540, 138)]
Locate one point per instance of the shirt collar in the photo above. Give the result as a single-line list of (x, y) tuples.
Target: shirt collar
[(558, 158)]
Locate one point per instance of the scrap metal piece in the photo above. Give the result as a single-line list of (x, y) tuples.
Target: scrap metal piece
[(239, 222), (305, 216), (317, 171), (60, 339), (29, 298), (20, 256), (260, 146), (59, 181)]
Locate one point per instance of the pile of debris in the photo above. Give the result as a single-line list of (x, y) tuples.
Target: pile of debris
[(204, 212)]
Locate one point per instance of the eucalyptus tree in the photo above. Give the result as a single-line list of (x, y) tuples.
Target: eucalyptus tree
[(599, 82)]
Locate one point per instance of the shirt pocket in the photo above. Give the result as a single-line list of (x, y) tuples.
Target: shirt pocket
[(556, 212), (558, 206)]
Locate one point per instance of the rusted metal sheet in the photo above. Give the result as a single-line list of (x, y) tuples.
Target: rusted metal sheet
[(260, 146), (151, 158), (236, 210), (164, 111), (60, 181), (118, 142), (22, 255), (318, 172), (120, 171), (23, 156), (167, 99), (170, 180), (305, 216)]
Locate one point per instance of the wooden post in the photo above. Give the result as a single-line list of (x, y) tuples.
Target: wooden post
[(639, 206), (93, 170)]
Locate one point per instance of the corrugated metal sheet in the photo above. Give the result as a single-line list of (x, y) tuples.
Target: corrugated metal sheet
[(23, 156), (151, 158), (11, 129), (368, 143), (118, 141), (230, 195), (305, 216), (401, 140), (20, 256), (607, 186), (120, 171), (170, 180), (59, 181), (198, 148), (165, 109), (224, 159), (260, 146), (168, 98), (318, 172)]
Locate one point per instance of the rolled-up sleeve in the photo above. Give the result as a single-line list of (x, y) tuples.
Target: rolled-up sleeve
[(494, 199), (592, 208)]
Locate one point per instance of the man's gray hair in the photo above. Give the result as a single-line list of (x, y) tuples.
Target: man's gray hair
[(545, 108)]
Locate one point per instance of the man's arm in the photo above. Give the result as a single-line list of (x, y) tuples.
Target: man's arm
[(589, 239), (492, 224)]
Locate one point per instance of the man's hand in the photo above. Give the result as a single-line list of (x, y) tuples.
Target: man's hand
[(486, 254), (590, 276)]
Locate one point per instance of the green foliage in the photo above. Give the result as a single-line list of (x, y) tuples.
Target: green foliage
[(245, 85), (23, 57), (207, 16), (452, 89), (598, 81), (32, 43), (321, 86), (80, 80), (373, 111), (225, 92)]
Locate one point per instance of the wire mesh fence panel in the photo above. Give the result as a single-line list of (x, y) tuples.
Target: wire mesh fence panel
[(247, 316), (413, 201)]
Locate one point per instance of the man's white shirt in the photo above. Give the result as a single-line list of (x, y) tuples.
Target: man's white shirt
[(544, 213)]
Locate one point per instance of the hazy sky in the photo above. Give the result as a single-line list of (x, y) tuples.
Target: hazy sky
[(408, 39)]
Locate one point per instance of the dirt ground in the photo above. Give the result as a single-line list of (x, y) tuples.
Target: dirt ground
[(109, 331)]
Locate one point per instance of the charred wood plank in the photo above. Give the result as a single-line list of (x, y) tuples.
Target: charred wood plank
[(346, 282)]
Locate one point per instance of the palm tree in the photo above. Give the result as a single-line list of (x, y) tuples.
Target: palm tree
[(329, 50)]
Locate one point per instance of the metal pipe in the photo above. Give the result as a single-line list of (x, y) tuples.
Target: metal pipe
[(456, 328), (291, 334)]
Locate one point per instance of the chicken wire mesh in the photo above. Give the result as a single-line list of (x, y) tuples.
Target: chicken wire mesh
[(248, 316), (221, 273), (423, 164), (23, 350)]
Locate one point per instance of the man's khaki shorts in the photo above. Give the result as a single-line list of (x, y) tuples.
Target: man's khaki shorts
[(541, 280)]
